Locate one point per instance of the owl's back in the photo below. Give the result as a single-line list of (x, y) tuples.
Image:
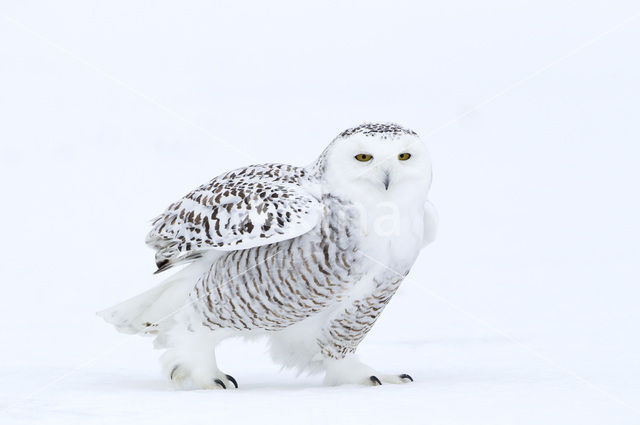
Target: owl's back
[(271, 287)]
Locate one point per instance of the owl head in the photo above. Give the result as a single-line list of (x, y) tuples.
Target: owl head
[(377, 161)]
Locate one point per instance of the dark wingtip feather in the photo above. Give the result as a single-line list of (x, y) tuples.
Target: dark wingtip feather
[(163, 265), (166, 264)]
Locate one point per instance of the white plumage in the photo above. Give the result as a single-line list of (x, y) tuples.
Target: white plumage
[(309, 256)]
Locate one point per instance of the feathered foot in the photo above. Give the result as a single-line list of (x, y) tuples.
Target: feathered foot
[(191, 363), (350, 370), (183, 377)]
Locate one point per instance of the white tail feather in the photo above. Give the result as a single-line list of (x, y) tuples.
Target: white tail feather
[(152, 311)]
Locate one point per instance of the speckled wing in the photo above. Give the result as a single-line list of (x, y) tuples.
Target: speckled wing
[(244, 208)]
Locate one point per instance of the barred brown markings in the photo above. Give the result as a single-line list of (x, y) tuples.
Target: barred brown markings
[(272, 258), (266, 292), (316, 281), (266, 309), (258, 268), (208, 299), (331, 284), (236, 261), (338, 277), (283, 280), (315, 289), (276, 324), (293, 278), (304, 260), (240, 326), (279, 291), (318, 303), (322, 270), (305, 279), (332, 235), (245, 286), (292, 309), (195, 288), (268, 270), (344, 261), (246, 262), (291, 290), (277, 301), (325, 251), (255, 286), (313, 257), (210, 324), (284, 257), (244, 303), (254, 313), (234, 313), (301, 304), (349, 328), (218, 289), (339, 334), (219, 312), (380, 297)]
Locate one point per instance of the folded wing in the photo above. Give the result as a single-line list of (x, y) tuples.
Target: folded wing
[(244, 208)]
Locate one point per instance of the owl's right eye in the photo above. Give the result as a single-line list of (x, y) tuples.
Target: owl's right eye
[(364, 157)]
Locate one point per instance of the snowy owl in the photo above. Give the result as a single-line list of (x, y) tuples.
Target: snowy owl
[(308, 256)]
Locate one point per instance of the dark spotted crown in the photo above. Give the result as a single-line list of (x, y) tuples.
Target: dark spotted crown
[(387, 130)]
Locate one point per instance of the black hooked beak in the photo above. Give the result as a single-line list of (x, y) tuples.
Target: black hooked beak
[(386, 180)]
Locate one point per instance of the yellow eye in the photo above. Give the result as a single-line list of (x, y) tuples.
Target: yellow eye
[(364, 157), (404, 156)]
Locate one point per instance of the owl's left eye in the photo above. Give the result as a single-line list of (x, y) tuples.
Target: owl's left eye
[(364, 157), (404, 156)]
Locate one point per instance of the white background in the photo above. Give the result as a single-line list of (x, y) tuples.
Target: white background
[(525, 310)]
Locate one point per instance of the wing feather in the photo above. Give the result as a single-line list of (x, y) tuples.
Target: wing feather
[(244, 208)]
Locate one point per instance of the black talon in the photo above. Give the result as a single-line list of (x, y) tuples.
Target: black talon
[(219, 382), (233, 380), (405, 376), (375, 380), (173, 371)]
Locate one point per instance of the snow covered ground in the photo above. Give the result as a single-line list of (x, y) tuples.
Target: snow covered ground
[(524, 311)]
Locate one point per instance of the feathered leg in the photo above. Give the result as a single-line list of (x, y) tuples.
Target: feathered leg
[(190, 360), (350, 370), (343, 333)]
